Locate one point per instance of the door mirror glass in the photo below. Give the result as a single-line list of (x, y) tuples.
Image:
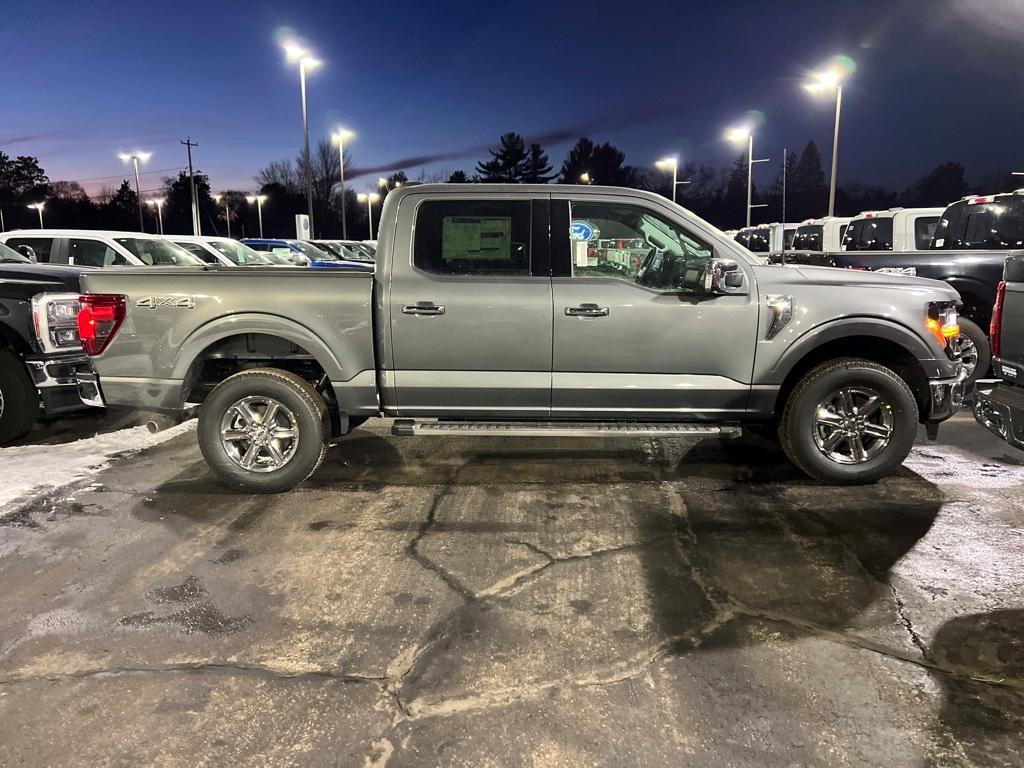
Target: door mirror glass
[(723, 277)]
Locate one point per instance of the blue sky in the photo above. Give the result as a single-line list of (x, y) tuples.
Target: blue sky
[(935, 81)]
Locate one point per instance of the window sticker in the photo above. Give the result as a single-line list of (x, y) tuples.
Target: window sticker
[(476, 238)]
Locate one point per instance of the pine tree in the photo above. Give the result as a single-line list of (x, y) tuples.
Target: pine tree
[(578, 162), (458, 177), (809, 192), (537, 168), (508, 161)]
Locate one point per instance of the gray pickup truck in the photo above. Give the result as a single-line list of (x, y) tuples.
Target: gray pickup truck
[(511, 310)]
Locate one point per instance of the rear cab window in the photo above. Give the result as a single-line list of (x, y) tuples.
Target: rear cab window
[(873, 234), (808, 237), (473, 237), (924, 230)]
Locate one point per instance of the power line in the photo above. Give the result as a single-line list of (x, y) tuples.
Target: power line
[(122, 176)]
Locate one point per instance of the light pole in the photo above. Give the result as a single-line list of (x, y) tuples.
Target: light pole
[(258, 199), (369, 199), (227, 211), (745, 134), (135, 158), (821, 82), (159, 203), (339, 137), (671, 163), (296, 52), (39, 210)]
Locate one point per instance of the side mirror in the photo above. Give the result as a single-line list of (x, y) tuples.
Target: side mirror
[(724, 277), (28, 252)]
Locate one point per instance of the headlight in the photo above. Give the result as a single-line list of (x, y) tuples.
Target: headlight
[(943, 323), (55, 317)]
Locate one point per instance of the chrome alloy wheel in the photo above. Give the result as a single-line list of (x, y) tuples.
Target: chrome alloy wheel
[(968, 354), (852, 425), (259, 433)]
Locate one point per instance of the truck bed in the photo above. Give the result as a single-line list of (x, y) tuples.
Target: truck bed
[(176, 314)]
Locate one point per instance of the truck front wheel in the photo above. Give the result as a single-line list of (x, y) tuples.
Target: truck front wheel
[(19, 402), (849, 421), (263, 430)]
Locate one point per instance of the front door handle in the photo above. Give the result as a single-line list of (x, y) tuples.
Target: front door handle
[(423, 308), (587, 310)]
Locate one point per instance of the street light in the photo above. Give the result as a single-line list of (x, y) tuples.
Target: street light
[(369, 199), (739, 135), (340, 136), (258, 199), (585, 177), (227, 212), (159, 203), (672, 164), (821, 82), (39, 210), (295, 52), (135, 158)]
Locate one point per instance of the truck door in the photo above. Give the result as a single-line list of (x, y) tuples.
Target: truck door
[(635, 333), (470, 306)]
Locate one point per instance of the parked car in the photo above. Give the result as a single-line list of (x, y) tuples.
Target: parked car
[(1001, 408), (221, 251), (982, 223), (41, 357), (897, 229), (825, 234), (301, 252), (767, 238), (479, 321), (97, 248)]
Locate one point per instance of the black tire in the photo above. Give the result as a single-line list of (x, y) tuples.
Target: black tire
[(19, 401), (798, 428), (297, 396), (982, 350)]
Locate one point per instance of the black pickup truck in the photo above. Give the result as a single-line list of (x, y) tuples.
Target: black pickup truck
[(1001, 408), (41, 356), (971, 241)]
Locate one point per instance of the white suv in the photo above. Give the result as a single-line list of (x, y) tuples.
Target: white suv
[(222, 251), (97, 248)]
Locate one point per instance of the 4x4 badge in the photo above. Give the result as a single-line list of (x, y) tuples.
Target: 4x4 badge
[(172, 302)]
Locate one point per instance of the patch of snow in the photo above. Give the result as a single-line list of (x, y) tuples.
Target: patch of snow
[(32, 470), (946, 465)]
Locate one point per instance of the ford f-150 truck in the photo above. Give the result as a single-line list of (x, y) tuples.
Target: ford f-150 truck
[(512, 310), (1001, 408), (41, 359)]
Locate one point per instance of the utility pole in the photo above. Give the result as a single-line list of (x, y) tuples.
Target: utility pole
[(196, 229), (783, 205)]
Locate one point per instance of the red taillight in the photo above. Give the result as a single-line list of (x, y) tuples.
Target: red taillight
[(99, 318), (994, 329)]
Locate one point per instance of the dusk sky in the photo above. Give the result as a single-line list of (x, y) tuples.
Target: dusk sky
[(935, 81)]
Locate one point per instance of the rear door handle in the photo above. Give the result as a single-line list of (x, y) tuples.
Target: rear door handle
[(587, 310), (423, 308)]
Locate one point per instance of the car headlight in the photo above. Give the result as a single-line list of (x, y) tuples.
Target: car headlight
[(943, 322)]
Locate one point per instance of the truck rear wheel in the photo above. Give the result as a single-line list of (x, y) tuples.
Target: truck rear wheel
[(19, 401), (263, 430), (849, 421)]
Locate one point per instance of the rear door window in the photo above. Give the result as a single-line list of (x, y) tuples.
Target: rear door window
[(84, 252), (42, 247), (473, 237)]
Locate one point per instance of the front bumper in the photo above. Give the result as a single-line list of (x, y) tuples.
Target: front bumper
[(946, 397), (1000, 410), (65, 383)]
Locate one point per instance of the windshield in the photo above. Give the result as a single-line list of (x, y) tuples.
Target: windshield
[(808, 237), (158, 252), (312, 252), (239, 253), (869, 235), (998, 224), (8, 255), (354, 251)]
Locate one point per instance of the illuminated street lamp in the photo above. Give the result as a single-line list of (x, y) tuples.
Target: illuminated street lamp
[(135, 158), (158, 202), (258, 199), (39, 210), (339, 137), (227, 212), (585, 177), (739, 135), (296, 52), (831, 78), (671, 164), (369, 199)]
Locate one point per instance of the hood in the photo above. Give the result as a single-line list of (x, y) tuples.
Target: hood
[(864, 278)]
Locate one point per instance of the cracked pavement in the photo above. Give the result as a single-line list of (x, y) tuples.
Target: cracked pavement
[(470, 601)]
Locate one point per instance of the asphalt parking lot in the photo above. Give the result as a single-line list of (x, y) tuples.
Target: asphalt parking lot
[(521, 603)]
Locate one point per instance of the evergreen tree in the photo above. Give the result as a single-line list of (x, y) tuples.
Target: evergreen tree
[(578, 162), (809, 192), (123, 209), (537, 168), (458, 177), (940, 187), (178, 208), (508, 161)]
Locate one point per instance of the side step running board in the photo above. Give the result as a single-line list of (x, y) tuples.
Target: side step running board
[(410, 427)]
